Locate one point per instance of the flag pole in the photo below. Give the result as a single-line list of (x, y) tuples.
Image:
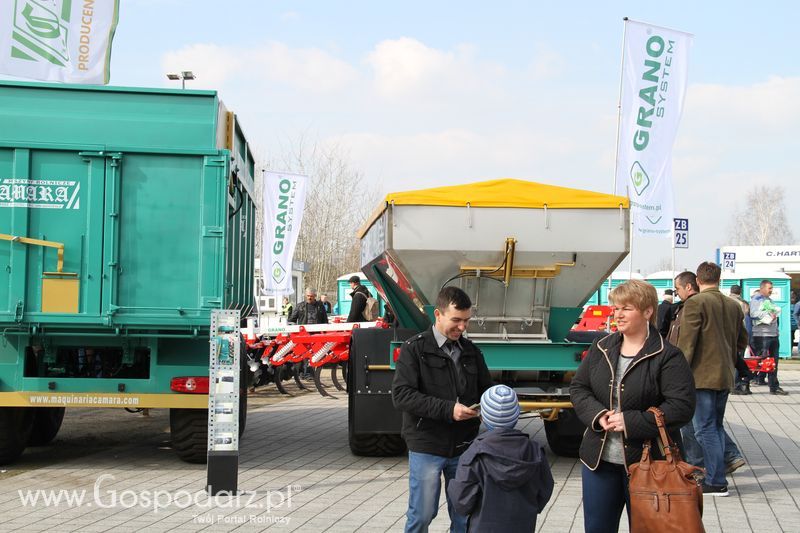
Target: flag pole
[(619, 126), (619, 102)]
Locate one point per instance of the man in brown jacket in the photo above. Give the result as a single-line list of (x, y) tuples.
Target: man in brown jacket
[(712, 333)]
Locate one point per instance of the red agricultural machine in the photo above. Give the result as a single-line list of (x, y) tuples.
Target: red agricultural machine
[(304, 349)]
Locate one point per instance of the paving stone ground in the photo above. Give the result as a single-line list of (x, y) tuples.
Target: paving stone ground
[(299, 475)]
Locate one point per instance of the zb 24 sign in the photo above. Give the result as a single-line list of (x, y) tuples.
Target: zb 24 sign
[(681, 232)]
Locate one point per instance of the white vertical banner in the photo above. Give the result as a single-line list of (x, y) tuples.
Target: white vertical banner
[(654, 80), (284, 198), (58, 40)]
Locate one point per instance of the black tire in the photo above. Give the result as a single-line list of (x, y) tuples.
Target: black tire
[(374, 444), (242, 411), (16, 424), (46, 423), (189, 432), (368, 444), (564, 435)]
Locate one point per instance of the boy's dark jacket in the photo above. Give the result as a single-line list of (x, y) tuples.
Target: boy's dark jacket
[(503, 481)]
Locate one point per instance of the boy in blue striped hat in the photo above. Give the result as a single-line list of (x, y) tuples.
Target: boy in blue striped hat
[(503, 479)]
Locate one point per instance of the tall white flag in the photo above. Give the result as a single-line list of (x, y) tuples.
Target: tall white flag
[(654, 80), (58, 40), (284, 198)]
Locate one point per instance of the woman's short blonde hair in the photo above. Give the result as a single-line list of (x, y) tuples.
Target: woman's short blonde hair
[(637, 293)]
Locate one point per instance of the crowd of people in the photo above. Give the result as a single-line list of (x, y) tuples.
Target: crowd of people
[(683, 358)]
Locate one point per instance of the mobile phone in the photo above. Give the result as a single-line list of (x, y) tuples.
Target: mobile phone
[(475, 406)]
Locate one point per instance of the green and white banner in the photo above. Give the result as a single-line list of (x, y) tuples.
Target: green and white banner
[(654, 80), (57, 40), (284, 199)]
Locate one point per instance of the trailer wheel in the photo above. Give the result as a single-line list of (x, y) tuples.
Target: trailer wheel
[(189, 432), (372, 412), (373, 444), (46, 423), (16, 424), (242, 411), (564, 435)]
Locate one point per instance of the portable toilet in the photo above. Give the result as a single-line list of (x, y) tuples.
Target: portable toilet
[(343, 291)]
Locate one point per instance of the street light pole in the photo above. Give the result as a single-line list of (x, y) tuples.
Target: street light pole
[(183, 76)]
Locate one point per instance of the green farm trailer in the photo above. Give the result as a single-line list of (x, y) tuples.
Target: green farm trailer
[(126, 216), (529, 255)]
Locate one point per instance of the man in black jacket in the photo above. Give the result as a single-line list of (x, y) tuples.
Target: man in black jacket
[(311, 311), (358, 300), (664, 313), (439, 375)]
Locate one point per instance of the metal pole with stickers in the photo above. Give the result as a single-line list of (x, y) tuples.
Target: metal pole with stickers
[(223, 403)]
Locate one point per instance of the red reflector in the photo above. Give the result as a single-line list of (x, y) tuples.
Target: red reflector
[(191, 384), (396, 354), (584, 354)]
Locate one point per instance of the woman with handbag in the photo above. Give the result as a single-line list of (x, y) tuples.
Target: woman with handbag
[(623, 375)]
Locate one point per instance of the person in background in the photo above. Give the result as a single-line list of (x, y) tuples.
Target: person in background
[(358, 300), (311, 311), (664, 313), (503, 480), (622, 376), (796, 315), (440, 374), (743, 374), (764, 314), (685, 287), (326, 303), (712, 334), (793, 303), (287, 307)]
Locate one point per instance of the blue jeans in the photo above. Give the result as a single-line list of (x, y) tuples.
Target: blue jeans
[(605, 493), (708, 415), (424, 486), (693, 452)]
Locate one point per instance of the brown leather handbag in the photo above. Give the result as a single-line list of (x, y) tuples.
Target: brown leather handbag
[(665, 495)]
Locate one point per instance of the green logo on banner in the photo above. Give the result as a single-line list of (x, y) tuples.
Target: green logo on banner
[(39, 32), (278, 272), (639, 178)]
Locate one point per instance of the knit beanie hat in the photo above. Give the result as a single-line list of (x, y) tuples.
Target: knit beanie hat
[(499, 407)]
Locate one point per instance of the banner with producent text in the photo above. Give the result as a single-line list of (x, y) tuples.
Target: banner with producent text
[(654, 81), (284, 199), (58, 40)]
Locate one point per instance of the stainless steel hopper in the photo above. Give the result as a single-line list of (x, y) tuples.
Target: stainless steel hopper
[(529, 255)]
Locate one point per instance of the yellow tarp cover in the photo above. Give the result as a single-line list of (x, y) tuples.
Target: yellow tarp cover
[(508, 193), (505, 192)]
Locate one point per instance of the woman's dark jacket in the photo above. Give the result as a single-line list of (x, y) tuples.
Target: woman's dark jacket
[(658, 376)]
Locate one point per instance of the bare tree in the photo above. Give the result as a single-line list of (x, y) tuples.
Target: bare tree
[(338, 201), (762, 219)]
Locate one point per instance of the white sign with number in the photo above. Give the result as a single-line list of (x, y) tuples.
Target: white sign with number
[(681, 226), (729, 261)]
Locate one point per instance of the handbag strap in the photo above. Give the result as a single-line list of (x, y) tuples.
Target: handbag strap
[(666, 440)]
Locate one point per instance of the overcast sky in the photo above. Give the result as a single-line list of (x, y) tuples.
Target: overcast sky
[(428, 93)]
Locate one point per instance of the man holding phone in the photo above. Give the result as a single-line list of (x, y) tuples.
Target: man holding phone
[(439, 373)]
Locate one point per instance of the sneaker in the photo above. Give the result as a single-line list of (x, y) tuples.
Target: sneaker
[(715, 490), (779, 391), (734, 465)]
